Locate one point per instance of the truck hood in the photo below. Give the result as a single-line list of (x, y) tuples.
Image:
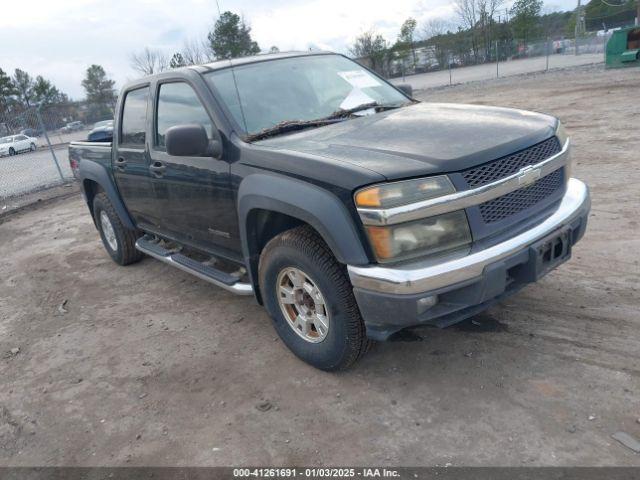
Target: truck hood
[(422, 139)]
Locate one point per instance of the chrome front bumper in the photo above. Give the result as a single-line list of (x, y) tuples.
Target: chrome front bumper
[(425, 277)]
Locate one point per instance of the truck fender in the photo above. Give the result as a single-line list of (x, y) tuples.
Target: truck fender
[(89, 170), (303, 201)]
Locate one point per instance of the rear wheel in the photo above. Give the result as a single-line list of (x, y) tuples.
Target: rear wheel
[(12, 151), (118, 240), (32, 147), (310, 300)]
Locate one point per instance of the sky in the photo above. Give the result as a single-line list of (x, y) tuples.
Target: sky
[(59, 39)]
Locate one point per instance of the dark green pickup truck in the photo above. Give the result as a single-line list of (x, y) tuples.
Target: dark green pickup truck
[(348, 209)]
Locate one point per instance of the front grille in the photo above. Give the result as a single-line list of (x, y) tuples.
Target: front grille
[(519, 200), (505, 166)]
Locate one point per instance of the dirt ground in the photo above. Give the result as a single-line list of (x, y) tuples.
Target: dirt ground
[(146, 365)]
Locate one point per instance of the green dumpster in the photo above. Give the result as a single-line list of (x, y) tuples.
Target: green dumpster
[(623, 48)]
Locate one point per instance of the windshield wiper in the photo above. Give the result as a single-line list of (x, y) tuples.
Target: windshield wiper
[(335, 117), (347, 112), (290, 126)]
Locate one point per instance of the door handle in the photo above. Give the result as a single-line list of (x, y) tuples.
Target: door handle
[(157, 168), (121, 163)]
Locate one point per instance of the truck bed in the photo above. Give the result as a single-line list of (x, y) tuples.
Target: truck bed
[(96, 151)]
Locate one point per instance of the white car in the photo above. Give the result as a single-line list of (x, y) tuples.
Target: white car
[(72, 127), (16, 144)]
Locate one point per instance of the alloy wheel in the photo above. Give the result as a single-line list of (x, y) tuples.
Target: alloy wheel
[(303, 305), (109, 232)]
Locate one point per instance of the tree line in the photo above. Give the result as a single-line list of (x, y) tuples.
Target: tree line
[(230, 37), (20, 93), (470, 37), (21, 90)]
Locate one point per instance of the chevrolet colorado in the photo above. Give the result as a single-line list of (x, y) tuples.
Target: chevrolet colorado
[(348, 209)]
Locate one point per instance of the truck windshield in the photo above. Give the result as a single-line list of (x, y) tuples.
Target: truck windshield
[(298, 89)]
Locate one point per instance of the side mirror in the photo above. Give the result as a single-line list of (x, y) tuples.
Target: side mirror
[(191, 141), (406, 89)]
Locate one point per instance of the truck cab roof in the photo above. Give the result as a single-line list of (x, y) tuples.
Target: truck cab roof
[(221, 64)]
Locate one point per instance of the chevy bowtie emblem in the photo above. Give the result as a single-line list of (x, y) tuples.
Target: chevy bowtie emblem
[(528, 175)]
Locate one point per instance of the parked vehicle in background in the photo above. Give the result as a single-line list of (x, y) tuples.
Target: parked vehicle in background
[(72, 127), (350, 210), (103, 123), (101, 132), (32, 132), (14, 144)]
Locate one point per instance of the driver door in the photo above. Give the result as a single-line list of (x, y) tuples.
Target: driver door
[(193, 193)]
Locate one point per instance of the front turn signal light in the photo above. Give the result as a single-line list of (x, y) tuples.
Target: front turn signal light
[(393, 194)]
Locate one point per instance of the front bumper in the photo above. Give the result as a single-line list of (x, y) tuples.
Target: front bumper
[(445, 291)]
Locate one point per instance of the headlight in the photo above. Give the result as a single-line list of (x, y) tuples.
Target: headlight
[(427, 236), (422, 237), (401, 193)]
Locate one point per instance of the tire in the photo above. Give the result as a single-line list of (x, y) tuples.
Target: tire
[(302, 250), (12, 151), (32, 147), (120, 242)]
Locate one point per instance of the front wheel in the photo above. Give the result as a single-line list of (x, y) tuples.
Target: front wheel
[(32, 147), (118, 240), (12, 151), (310, 300)]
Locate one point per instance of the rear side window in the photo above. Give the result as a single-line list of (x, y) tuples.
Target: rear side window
[(178, 104), (134, 117)]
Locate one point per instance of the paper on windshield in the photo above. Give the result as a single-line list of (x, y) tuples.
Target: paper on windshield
[(359, 78), (356, 98)]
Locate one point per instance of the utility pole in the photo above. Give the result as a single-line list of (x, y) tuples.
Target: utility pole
[(547, 69), (497, 60), (580, 28)]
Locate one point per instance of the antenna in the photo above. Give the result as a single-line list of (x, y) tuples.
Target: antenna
[(235, 84)]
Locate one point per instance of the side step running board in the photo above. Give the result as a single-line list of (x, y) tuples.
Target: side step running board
[(205, 272)]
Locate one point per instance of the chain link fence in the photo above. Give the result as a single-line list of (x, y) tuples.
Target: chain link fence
[(463, 58), (33, 148)]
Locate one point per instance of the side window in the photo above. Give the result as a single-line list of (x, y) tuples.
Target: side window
[(21, 137), (134, 117), (178, 104)]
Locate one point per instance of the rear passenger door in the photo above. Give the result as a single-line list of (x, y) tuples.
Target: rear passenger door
[(131, 159), (193, 192)]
